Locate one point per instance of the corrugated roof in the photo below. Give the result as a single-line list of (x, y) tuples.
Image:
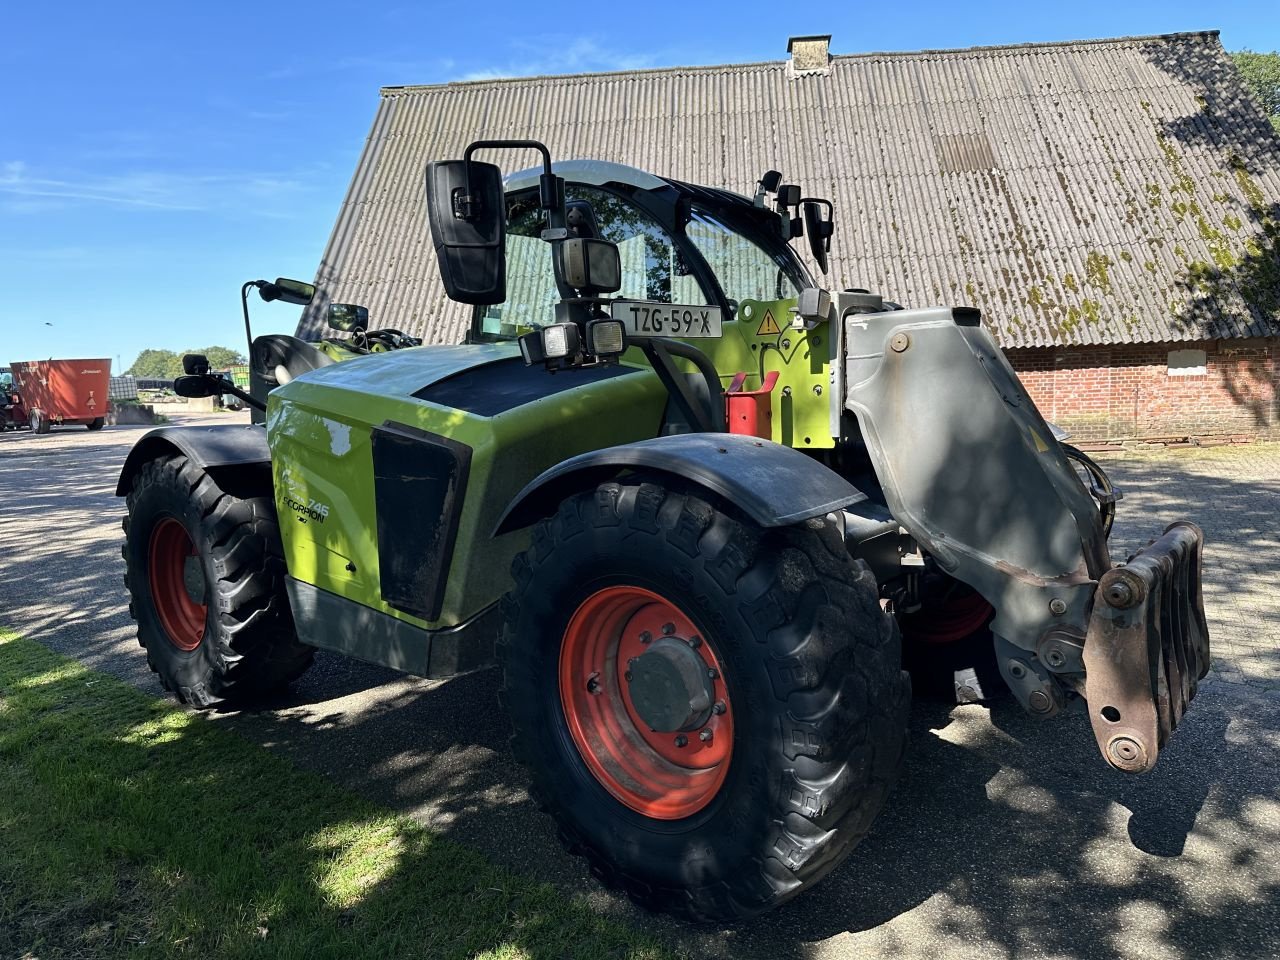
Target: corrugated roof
[(1103, 191)]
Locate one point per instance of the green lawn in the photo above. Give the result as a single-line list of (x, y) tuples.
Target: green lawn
[(130, 827)]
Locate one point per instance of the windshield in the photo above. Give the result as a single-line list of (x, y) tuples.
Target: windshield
[(743, 250), (652, 267)]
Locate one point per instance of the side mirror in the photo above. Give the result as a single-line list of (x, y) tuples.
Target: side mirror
[(348, 317), (466, 209), (195, 386), (290, 291), (819, 228)]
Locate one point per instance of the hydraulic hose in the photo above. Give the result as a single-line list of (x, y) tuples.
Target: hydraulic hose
[(1101, 487)]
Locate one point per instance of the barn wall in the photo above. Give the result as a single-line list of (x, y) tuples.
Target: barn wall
[(1157, 390)]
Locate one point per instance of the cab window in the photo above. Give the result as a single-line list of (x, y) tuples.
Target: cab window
[(746, 270), (652, 268)]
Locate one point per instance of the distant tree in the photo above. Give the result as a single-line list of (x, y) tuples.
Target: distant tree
[(159, 364), (166, 364), (1261, 73), (220, 357)]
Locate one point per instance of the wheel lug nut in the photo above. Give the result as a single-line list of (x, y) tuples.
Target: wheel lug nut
[(713, 673), (682, 740), (668, 629), (705, 736), (627, 676), (593, 683), (646, 636), (719, 708), (695, 641)]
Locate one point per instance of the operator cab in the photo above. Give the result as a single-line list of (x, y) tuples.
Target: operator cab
[(677, 244)]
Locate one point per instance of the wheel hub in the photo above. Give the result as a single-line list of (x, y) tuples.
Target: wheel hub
[(646, 702), (670, 686)]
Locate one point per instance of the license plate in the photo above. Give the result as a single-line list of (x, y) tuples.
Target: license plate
[(645, 319)]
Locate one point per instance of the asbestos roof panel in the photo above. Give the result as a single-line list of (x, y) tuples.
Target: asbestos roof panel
[(1094, 192)]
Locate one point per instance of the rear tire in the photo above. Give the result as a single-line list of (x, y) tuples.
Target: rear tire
[(97, 423), (814, 701), (205, 571), (39, 424)]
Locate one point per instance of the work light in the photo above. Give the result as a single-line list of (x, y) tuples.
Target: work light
[(560, 340), (605, 338)]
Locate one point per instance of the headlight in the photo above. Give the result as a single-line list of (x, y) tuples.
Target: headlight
[(605, 338)]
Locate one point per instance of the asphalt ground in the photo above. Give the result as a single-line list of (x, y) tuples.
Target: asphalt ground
[(1007, 836)]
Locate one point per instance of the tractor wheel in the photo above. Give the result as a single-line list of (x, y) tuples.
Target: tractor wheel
[(205, 571), (712, 711), (39, 424), (947, 644), (96, 424)]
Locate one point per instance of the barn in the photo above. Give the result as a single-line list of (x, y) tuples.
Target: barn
[(1112, 206)]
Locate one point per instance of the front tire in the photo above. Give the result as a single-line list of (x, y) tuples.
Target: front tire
[(789, 746), (39, 424), (97, 423), (205, 572)]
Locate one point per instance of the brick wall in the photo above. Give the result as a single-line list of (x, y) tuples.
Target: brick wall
[(1136, 391)]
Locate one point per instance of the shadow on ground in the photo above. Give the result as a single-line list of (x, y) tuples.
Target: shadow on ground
[(1006, 837)]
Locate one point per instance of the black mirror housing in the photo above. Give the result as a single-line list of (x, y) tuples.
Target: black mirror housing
[(348, 317), (197, 385), (819, 228), (290, 291), (466, 210)]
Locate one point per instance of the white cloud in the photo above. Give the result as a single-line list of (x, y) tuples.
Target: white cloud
[(26, 191)]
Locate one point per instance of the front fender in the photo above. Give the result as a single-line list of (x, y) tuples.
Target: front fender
[(774, 485), (210, 448)]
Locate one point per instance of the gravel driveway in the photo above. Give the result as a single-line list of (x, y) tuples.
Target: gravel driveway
[(1008, 837)]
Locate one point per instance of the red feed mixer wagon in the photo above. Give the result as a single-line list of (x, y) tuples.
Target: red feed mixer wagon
[(63, 392)]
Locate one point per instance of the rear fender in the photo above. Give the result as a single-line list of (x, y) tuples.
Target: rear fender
[(774, 485), (221, 450)]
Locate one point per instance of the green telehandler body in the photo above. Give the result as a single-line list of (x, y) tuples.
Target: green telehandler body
[(701, 514)]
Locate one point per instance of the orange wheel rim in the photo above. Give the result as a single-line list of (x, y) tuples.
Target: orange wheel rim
[(949, 622), (182, 617), (667, 774)]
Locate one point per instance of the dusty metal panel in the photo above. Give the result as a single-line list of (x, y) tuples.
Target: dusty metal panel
[(1110, 191)]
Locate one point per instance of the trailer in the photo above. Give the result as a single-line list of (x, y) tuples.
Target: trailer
[(63, 392)]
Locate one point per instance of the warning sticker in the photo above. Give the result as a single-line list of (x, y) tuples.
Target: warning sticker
[(768, 325)]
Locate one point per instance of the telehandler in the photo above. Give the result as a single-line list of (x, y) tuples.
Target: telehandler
[(692, 505)]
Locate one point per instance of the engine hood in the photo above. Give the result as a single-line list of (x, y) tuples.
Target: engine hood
[(403, 373)]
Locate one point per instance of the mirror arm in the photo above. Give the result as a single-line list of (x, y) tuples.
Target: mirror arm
[(244, 304), (465, 205), (231, 388)]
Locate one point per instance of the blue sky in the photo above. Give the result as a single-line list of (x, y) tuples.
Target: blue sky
[(153, 156)]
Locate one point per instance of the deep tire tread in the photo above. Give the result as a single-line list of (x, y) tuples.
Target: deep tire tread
[(839, 698), (252, 647)]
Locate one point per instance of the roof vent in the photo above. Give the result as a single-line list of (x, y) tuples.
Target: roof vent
[(809, 55)]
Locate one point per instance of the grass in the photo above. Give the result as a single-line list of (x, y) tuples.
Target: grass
[(131, 827)]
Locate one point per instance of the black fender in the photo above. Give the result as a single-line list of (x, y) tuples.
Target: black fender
[(217, 449), (774, 485)]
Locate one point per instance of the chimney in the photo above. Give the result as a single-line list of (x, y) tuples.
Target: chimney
[(809, 55)]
